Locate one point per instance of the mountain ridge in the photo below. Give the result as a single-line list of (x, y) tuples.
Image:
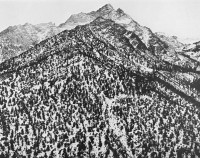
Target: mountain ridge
[(98, 91), (37, 33)]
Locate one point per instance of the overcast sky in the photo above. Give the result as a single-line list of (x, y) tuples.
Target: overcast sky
[(174, 17)]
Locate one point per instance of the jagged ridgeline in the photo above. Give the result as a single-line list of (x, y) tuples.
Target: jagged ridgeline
[(96, 91)]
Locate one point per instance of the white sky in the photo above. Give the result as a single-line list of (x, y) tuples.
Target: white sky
[(174, 17)]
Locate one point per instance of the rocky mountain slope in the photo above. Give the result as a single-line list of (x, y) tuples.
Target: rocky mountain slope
[(98, 91), (17, 39), (120, 17)]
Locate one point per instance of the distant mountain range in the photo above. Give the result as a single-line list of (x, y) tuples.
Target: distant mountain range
[(16, 39)]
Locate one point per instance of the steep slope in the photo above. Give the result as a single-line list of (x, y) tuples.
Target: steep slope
[(16, 39), (87, 92), (161, 46), (119, 16)]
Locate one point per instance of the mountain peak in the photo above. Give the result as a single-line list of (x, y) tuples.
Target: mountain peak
[(107, 7), (119, 10)]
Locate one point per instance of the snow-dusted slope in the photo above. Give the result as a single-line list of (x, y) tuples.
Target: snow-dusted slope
[(96, 91)]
